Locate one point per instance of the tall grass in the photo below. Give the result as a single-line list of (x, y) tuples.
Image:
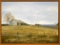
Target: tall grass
[(29, 34)]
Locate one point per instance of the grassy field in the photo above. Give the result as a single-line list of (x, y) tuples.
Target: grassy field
[(29, 34)]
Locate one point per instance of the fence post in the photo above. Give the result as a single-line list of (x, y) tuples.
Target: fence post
[(18, 38), (4, 34)]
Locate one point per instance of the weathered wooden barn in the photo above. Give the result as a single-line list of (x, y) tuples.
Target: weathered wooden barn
[(15, 22), (10, 19)]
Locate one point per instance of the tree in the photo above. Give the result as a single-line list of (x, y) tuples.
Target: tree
[(37, 24), (8, 17)]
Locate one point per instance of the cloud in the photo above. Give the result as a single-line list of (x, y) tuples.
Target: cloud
[(45, 22), (32, 12)]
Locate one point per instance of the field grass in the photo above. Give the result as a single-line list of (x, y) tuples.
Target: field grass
[(29, 34)]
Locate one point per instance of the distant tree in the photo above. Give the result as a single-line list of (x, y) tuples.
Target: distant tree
[(37, 24), (57, 24), (24, 24), (4, 24)]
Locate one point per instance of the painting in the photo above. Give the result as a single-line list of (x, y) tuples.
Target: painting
[(30, 22)]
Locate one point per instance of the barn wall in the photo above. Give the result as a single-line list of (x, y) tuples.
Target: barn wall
[(13, 22)]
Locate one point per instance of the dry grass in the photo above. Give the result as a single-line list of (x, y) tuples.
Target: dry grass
[(29, 34)]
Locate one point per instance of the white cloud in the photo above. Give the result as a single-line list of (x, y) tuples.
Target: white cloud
[(32, 12), (45, 22), (52, 9)]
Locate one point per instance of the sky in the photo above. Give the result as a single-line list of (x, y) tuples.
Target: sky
[(32, 12)]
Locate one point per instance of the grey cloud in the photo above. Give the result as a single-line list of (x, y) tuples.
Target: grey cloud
[(32, 12)]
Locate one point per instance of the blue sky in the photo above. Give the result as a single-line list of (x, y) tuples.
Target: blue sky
[(32, 12)]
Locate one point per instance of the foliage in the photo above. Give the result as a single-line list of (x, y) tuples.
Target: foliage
[(5, 24), (24, 24), (37, 24)]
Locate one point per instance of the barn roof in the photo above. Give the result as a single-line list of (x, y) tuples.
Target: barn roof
[(20, 21)]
